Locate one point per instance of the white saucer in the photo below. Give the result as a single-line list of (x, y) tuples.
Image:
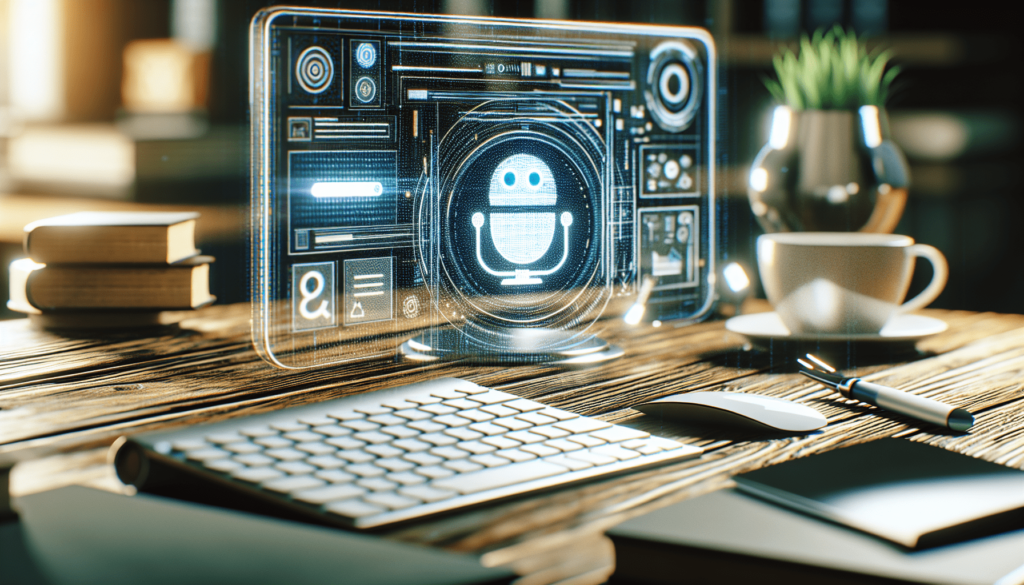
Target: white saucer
[(902, 328)]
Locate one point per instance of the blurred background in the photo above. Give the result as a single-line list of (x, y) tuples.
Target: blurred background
[(143, 104)]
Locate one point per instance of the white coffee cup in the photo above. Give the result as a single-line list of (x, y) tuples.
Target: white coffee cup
[(843, 283)]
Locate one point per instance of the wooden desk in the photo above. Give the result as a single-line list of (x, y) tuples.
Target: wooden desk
[(63, 400)]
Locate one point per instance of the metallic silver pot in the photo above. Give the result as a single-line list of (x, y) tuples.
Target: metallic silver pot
[(829, 171)]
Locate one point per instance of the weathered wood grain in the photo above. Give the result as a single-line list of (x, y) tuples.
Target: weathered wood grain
[(67, 394)]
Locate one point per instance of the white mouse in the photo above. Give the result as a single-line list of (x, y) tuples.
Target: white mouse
[(736, 410)]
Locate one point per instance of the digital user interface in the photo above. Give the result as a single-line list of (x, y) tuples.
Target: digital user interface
[(416, 173)]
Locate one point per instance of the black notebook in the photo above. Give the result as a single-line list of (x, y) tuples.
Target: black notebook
[(912, 494)]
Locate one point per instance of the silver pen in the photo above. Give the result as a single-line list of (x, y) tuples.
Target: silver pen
[(919, 407)]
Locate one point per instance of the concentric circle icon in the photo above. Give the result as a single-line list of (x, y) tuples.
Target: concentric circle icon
[(314, 70), (366, 55)]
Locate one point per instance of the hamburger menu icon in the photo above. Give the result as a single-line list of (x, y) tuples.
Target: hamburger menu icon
[(522, 237)]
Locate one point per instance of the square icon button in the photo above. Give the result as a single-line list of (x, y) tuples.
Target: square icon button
[(313, 304), (368, 290)]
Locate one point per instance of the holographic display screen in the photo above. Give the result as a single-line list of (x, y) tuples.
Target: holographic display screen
[(414, 173)]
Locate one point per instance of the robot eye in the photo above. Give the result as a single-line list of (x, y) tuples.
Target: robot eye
[(510, 179), (535, 178)]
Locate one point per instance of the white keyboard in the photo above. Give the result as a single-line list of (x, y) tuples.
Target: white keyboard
[(404, 453)]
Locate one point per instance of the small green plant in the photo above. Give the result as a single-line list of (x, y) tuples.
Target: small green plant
[(834, 71)]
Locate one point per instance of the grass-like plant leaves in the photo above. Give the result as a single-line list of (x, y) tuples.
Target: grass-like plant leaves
[(832, 72)]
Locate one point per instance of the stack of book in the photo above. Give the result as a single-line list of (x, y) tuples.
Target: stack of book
[(110, 269)]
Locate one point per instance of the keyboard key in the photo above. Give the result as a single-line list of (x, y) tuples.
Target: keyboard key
[(424, 399), (346, 415), (377, 484), (499, 410), (417, 414), (322, 495), (559, 413), (372, 410), (189, 445), (399, 404), (400, 431), (326, 462), (360, 425), (645, 446), (664, 444), (473, 389), (515, 455), (585, 440), (392, 501), (578, 426), (571, 464), (287, 485), (452, 420), (434, 471), (334, 476), (394, 464), (487, 479), (501, 442), (353, 509), (448, 394), (223, 465), (411, 445), (615, 451), (406, 478), (303, 436), (563, 445), (274, 442), (438, 439), (289, 426), (476, 415), (374, 437), (536, 418), (208, 454), (540, 450), (488, 429), (316, 448), (332, 430), (550, 432), (286, 454), (526, 437), (449, 452), (491, 397), (257, 474), (254, 460), (345, 443), (476, 447), (315, 420), (426, 426), (463, 434), (461, 404), (617, 434), (258, 431), (426, 493), (595, 458), (222, 438), (242, 448), (438, 409), (384, 451), (365, 470), (462, 465), (489, 460), (422, 458), (524, 405), (512, 424), (354, 456), (295, 467), (387, 419)]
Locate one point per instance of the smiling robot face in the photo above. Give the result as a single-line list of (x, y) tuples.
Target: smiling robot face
[(518, 181)]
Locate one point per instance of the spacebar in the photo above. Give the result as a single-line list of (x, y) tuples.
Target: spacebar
[(478, 481)]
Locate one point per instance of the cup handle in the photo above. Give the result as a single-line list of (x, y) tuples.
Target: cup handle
[(941, 274)]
